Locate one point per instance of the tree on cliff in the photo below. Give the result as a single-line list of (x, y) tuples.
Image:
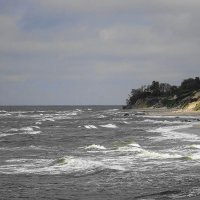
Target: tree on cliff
[(163, 92)]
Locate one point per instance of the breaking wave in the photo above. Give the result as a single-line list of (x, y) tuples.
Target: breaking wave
[(169, 132), (195, 146), (90, 127), (94, 146), (109, 126), (67, 165)]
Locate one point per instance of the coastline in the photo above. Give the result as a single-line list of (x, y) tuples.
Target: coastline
[(191, 198), (167, 111)]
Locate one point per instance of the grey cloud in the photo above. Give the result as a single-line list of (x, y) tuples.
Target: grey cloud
[(89, 45)]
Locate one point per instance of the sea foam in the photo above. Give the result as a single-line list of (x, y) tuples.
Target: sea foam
[(90, 127), (66, 164), (109, 126), (169, 132), (94, 146)]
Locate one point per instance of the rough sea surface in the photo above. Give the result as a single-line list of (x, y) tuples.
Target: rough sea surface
[(97, 153)]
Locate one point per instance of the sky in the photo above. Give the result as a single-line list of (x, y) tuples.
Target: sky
[(93, 52)]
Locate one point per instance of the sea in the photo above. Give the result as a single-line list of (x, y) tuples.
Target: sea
[(97, 153)]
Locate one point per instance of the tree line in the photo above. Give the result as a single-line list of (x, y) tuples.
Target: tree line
[(163, 90)]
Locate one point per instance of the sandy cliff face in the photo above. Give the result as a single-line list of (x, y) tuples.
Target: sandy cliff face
[(194, 106)]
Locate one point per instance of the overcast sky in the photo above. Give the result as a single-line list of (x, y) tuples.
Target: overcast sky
[(73, 52)]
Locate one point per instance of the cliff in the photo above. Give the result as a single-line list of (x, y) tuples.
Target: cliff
[(159, 95)]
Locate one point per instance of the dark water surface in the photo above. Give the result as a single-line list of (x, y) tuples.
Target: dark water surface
[(97, 152)]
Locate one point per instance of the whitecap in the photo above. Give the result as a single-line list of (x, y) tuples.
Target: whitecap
[(78, 110), (195, 156), (112, 110), (67, 164), (162, 121), (125, 122), (74, 113), (6, 134), (160, 116), (37, 127), (23, 130), (5, 114), (26, 129), (157, 155), (90, 127), (34, 132), (94, 146), (134, 145), (48, 119), (13, 130), (195, 146), (101, 116), (109, 126), (4, 111), (169, 132)]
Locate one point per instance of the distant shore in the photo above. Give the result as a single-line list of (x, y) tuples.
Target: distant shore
[(167, 111), (191, 198)]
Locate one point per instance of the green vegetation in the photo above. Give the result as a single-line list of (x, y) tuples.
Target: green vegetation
[(164, 95)]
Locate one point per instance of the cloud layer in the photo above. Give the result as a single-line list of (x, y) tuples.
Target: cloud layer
[(94, 51)]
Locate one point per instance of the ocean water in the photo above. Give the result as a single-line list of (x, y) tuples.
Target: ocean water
[(97, 152)]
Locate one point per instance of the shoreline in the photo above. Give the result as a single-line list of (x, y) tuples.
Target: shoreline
[(166, 111)]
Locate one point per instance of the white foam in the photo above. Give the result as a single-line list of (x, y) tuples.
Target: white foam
[(101, 116), (7, 134), (26, 129), (129, 147), (23, 130), (195, 146), (112, 110), (157, 155), (168, 132), (48, 119), (94, 146), (162, 121), (90, 127), (4, 114), (34, 132), (4, 111), (13, 129), (134, 145), (109, 126), (73, 114), (37, 127), (49, 166), (115, 167), (125, 122), (159, 116), (148, 154), (195, 156)]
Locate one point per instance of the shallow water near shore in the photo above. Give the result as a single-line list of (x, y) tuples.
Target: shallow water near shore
[(98, 152)]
